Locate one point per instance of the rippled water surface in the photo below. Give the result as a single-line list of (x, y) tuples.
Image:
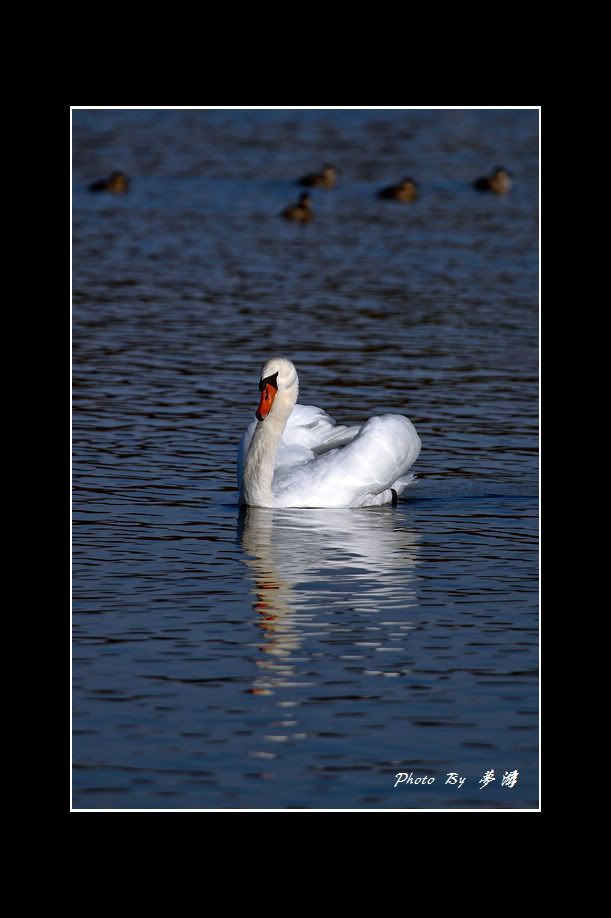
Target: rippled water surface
[(303, 658)]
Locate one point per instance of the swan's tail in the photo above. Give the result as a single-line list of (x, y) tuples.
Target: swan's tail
[(401, 483)]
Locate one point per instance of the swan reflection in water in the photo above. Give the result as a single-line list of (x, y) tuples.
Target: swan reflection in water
[(309, 564)]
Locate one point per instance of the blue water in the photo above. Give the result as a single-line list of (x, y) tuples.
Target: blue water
[(280, 659)]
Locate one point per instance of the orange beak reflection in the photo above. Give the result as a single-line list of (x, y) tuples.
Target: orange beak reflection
[(268, 395)]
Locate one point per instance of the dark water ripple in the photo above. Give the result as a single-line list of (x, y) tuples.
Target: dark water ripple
[(303, 658)]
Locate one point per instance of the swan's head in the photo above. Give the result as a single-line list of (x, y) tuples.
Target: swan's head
[(278, 385)]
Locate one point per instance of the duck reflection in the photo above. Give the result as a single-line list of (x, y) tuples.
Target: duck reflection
[(308, 564)]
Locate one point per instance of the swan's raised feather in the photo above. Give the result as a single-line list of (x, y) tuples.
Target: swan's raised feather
[(309, 432), (297, 456)]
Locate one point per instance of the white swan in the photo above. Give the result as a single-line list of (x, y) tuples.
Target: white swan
[(296, 456)]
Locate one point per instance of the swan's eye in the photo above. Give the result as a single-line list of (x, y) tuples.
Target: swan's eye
[(269, 381)]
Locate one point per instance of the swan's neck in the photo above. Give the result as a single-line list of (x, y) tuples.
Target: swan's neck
[(261, 455)]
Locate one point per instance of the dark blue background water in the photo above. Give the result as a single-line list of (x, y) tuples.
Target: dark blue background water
[(303, 658)]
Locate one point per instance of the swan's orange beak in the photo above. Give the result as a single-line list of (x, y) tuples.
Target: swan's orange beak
[(268, 395)]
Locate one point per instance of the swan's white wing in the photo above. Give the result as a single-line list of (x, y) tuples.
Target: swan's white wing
[(340, 437), (359, 474), (309, 431), (313, 428)]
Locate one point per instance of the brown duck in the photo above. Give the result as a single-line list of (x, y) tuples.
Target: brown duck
[(498, 181), (118, 183), (326, 178), (302, 210), (404, 191)]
